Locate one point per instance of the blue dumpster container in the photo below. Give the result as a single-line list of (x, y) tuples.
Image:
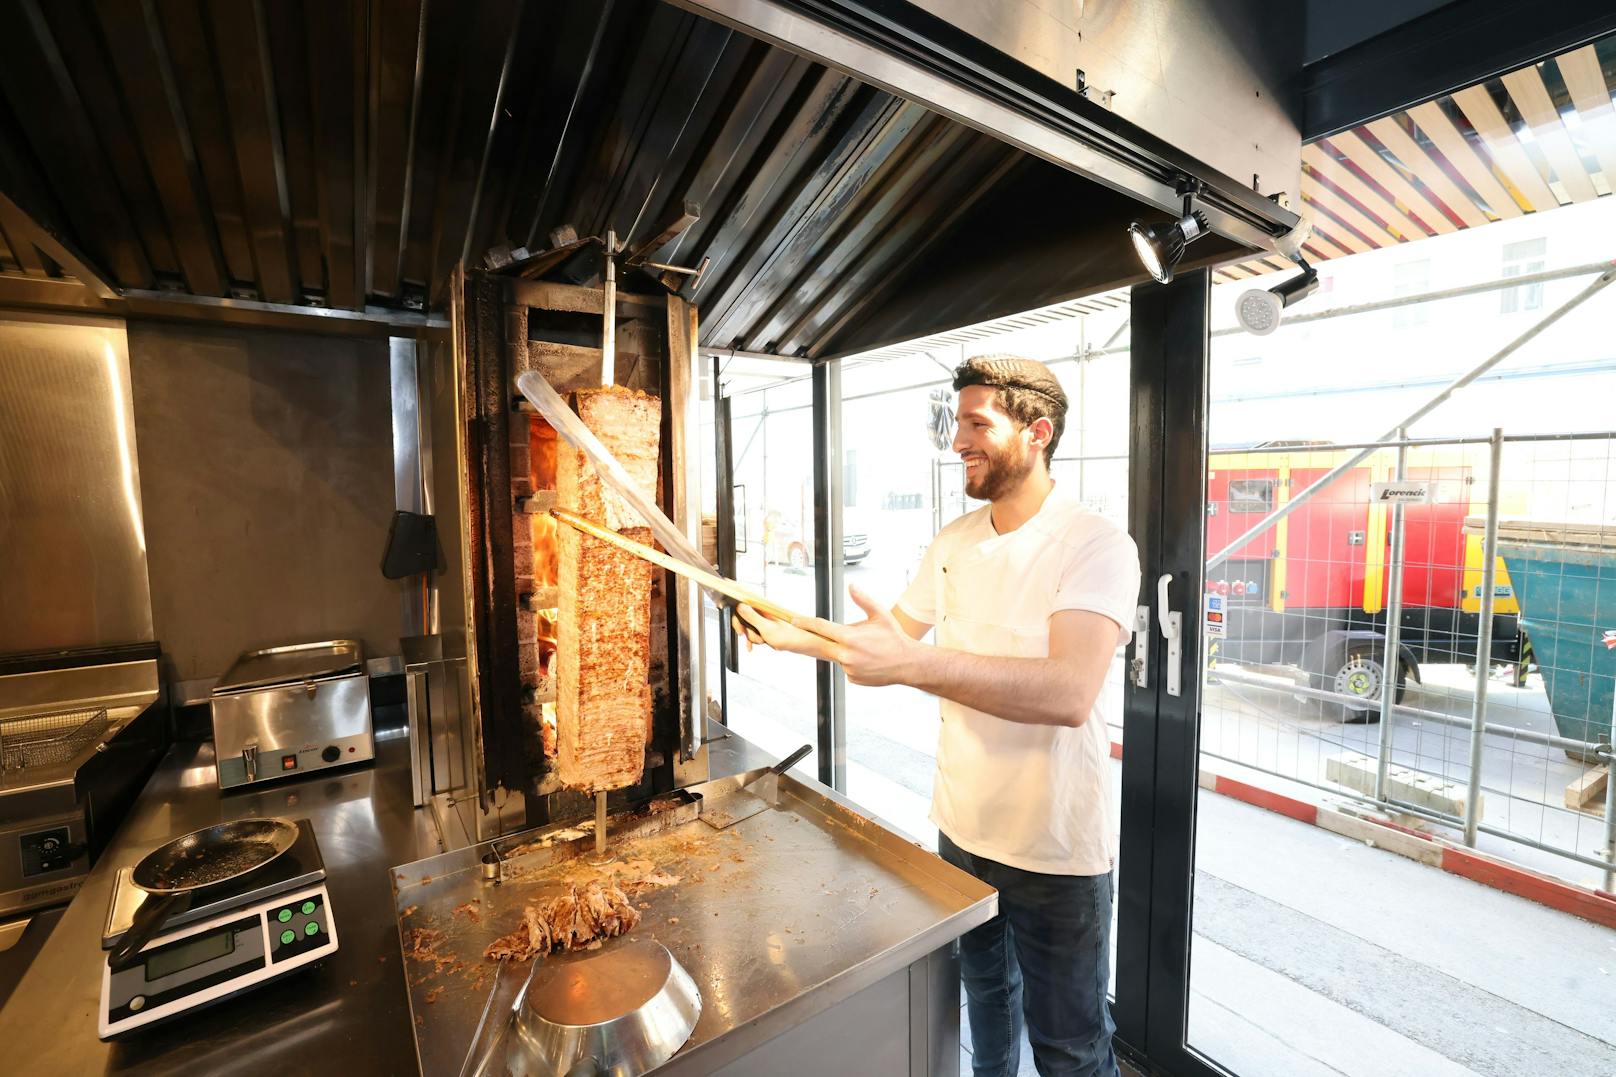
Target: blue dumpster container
[(1565, 581)]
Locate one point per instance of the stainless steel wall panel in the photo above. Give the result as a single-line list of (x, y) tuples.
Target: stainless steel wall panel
[(406, 425), (443, 441), (267, 476), (407, 474), (1214, 78), (72, 536)]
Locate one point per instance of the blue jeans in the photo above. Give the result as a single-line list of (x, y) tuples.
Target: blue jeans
[(1044, 957)]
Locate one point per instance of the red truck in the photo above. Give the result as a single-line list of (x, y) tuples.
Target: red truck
[(1311, 591)]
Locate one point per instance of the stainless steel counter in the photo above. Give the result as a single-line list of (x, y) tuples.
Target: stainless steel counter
[(350, 1015), (800, 912)]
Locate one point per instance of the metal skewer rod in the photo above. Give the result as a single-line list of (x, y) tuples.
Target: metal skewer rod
[(608, 328), (600, 828)]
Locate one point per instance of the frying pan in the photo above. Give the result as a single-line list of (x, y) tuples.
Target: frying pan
[(171, 874)]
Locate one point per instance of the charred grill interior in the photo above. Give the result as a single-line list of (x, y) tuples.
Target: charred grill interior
[(580, 681)]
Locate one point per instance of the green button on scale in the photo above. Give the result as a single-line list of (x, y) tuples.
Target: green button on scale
[(308, 908), (284, 915), (288, 937), (311, 929)]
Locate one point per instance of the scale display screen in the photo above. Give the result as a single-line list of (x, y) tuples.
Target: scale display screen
[(184, 955)]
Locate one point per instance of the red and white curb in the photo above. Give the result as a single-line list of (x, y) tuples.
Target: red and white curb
[(1362, 824)]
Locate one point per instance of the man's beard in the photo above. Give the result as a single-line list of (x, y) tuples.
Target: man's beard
[(999, 475)]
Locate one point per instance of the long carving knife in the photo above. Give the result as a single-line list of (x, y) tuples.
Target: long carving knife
[(686, 561), (721, 586), (566, 423)]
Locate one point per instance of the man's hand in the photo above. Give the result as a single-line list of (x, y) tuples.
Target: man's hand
[(759, 627), (1059, 689), (877, 650)]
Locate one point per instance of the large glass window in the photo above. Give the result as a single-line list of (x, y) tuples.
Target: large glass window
[(889, 517), (897, 434), (772, 700), (903, 483), (1325, 940)]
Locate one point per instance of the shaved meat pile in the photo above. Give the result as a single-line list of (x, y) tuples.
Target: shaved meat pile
[(422, 945), (576, 919)]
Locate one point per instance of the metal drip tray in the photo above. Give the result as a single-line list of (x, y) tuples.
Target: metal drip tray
[(776, 919), (623, 1012)]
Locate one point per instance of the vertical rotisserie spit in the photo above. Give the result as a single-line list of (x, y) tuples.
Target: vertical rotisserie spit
[(603, 691), (571, 648)]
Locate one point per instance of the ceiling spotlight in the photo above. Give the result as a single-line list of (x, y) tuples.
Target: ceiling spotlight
[(1160, 246), (1259, 311)]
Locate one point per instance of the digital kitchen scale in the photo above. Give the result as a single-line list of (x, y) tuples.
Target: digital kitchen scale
[(235, 936)]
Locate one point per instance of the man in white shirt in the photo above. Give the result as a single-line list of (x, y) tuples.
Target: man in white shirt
[(1028, 597)]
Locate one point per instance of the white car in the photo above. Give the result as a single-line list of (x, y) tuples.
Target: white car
[(787, 545)]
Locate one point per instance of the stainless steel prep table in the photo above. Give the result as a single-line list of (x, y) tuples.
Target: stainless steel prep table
[(348, 1016), (820, 940)]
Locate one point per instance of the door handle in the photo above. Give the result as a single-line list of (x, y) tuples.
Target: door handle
[(1172, 630), (1139, 665)]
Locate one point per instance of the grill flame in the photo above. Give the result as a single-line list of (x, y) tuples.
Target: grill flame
[(547, 730), (546, 552), (542, 447), (547, 639)]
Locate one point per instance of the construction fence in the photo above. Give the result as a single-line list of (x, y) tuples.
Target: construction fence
[(1499, 717)]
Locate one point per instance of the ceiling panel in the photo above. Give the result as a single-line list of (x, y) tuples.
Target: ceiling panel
[(347, 153), (1527, 142)]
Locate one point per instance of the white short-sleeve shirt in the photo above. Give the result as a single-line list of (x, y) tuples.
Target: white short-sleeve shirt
[(1035, 797)]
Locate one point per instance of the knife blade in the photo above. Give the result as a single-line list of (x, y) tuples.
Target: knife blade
[(566, 423), (719, 585)]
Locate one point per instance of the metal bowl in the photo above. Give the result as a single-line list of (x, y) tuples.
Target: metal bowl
[(622, 1011)]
